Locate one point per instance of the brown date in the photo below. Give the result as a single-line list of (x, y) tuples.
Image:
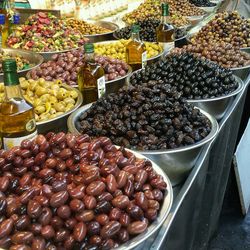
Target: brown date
[(22, 237), (6, 227), (80, 231), (58, 199), (110, 229), (111, 183), (121, 201), (95, 188), (137, 227)]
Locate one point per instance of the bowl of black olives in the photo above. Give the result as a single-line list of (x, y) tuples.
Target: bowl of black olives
[(197, 80), (153, 120)]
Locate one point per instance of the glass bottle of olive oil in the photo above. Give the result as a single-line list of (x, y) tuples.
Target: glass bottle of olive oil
[(4, 31), (136, 53), (165, 31), (17, 118), (91, 77)]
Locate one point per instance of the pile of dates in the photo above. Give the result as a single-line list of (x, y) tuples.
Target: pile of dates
[(44, 32), (150, 116), (222, 53), (194, 78), (63, 191), (226, 27), (22, 63), (147, 31), (202, 3), (65, 67)]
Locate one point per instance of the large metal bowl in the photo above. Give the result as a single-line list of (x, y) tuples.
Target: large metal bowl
[(32, 57), (104, 36), (208, 9), (149, 60), (59, 123), (176, 163), (163, 213), (218, 106)]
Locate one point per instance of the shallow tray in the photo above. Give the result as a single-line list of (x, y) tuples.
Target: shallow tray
[(218, 106), (32, 57), (176, 163)]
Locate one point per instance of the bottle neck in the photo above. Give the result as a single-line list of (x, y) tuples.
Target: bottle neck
[(135, 36), (13, 91), (90, 57)]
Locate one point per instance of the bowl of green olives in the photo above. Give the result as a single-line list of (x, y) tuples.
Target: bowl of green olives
[(26, 60), (53, 102)]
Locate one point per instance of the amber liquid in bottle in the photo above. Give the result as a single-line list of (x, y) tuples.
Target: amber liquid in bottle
[(136, 54), (91, 79), (165, 31), (16, 114)]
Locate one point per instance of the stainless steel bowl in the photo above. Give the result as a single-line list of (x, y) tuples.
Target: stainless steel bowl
[(218, 106), (32, 57), (104, 36), (149, 60), (59, 123), (176, 163), (194, 20), (48, 55)]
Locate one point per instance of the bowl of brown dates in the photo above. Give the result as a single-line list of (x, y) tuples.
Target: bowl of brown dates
[(73, 192), (152, 120)]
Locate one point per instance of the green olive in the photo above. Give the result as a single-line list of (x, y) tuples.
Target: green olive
[(40, 91), (44, 98), (68, 100), (70, 106), (73, 94), (59, 107), (53, 100), (37, 102), (40, 109)]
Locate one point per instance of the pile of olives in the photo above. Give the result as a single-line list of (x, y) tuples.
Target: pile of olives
[(117, 49), (222, 53), (147, 31), (226, 27), (202, 3), (65, 67), (193, 77), (145, 117), (50, 99)]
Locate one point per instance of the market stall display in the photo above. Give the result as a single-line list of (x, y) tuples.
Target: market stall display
[(66, 65), (117, 49), (44, 32), (50, 99), (228, 27), (73, 197)]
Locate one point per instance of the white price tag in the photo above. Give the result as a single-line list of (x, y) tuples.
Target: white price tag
[(101, 86), (144, 59)]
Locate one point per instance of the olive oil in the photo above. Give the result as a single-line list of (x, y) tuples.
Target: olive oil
[(136, 54), (91, 77), (165, 31), (17, 118)]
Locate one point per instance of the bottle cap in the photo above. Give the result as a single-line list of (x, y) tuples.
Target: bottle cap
[(136, 28), (89, 47), (16, 18), (9, 65), (2, 19), (165, 8)]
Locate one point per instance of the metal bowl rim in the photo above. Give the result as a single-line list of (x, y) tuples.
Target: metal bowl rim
[(39, 57), (235, 92), (148, 59), (77, 105), (56, 51), (195, 17), (209, 137), (103, 34), (165, 208)]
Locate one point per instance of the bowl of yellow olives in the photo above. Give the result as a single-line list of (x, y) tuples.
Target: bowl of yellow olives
[(117, 50), (53, 102)]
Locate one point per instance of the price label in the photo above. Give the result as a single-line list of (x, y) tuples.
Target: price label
[(144, 59), (101, 86)]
